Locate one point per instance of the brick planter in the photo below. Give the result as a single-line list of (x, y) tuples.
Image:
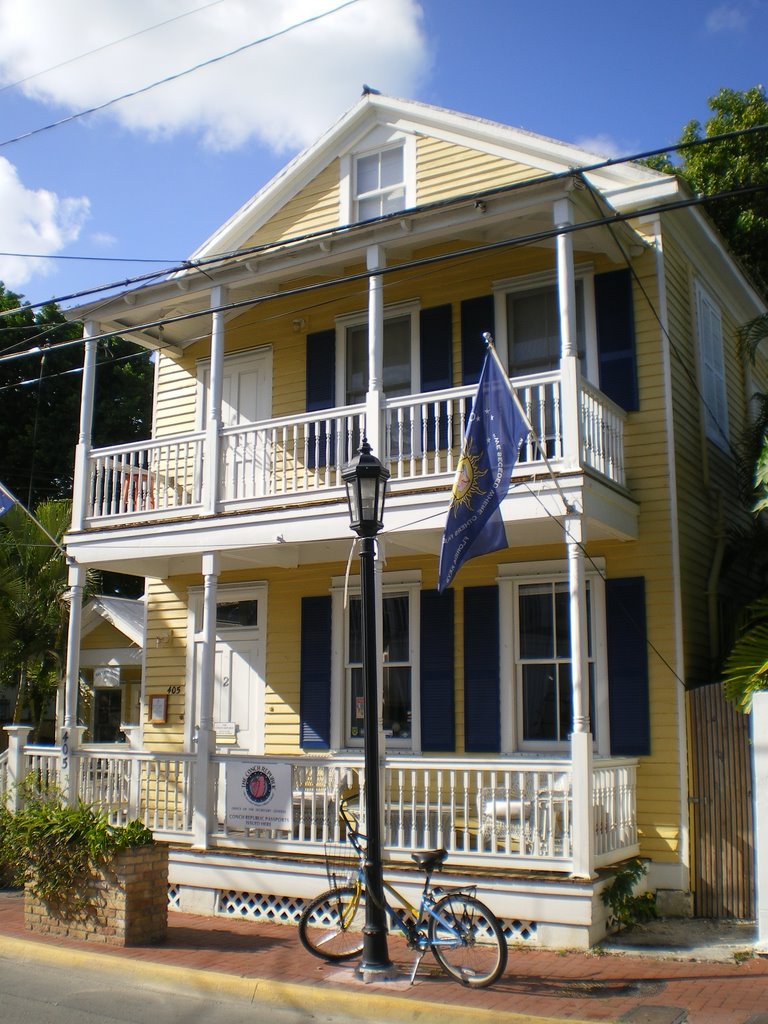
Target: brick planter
[(127, 902)]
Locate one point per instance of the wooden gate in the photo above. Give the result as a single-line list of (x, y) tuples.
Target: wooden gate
[(721, 797)]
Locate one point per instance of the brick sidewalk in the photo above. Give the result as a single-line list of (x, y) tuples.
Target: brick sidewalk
[(538, 983)]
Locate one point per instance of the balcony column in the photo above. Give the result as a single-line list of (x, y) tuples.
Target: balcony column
[(203, 810), (570, 385), (374, 399), (213, 421), (69, 733), (81, 485), (581, 737)]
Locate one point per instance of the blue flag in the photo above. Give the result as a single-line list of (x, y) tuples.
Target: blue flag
[(7, 501), (492, 439)]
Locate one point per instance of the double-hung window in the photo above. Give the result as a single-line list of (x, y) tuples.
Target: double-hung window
[(397, 361), (712, 367), (536, 615), (379, 183), (533, 329), (399, 643)]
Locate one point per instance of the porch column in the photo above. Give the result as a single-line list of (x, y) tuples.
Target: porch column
[(213, 421), (569, 354), (373, 403), (17, 738), (581, 737), (69, 735), (81, 484), (203, 810)]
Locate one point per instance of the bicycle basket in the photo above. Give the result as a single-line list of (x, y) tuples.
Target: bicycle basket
[(341, 864)]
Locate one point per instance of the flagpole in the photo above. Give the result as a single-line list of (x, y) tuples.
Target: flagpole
[(34, 518), (488, 339)]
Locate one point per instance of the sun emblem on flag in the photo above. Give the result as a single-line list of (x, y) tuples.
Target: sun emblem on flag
[(466, 482)]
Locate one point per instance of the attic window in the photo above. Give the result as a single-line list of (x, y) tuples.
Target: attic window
[(379, 186)]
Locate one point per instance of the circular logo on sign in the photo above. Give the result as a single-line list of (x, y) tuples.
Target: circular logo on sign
[(257, 786)]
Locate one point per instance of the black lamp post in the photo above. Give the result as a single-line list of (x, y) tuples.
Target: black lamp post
[(366, 482)]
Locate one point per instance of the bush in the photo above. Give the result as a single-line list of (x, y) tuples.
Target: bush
[(628, 908), (49, 845)]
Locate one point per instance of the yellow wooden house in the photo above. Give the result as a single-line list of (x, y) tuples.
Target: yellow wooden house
[(533, 714)]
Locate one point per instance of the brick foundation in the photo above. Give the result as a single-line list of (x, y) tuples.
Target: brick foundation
[(128, 902)]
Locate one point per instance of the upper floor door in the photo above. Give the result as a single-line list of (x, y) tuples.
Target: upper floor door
[(246, 400)]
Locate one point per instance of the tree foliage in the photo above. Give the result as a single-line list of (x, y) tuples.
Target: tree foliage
[(40, 399), (734, 163), (34, 609)]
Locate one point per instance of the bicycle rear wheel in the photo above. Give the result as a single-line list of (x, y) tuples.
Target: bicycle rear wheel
[(331, 926), (467, 940)]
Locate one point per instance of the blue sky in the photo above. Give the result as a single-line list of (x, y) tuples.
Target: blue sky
[(151, 178)]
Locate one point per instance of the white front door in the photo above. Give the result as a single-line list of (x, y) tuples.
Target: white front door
[(237, 688), (240, 665)]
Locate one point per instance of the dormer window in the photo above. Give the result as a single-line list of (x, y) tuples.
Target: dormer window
[(379, 186)]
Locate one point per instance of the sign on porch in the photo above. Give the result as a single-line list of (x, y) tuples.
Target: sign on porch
[(259, 796)]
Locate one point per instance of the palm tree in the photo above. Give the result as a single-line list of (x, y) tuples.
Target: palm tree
[(33, 608)]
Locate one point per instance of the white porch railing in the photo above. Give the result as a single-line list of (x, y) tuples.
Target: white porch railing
[(302, 455), (292, 455), (513, 812), (150, 476)]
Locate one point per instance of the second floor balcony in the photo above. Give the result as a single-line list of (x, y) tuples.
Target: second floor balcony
[(295, 459)]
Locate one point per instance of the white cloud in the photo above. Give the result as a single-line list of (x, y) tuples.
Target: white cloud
[(283, 92), (601, 145), (726, 18), (34, 221)]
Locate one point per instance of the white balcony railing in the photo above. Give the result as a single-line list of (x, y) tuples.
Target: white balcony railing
[(303, 454), (512, 811)]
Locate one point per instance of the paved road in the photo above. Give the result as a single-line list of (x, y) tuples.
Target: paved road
[(41, 994)]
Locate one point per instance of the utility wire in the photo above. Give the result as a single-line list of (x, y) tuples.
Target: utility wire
[(179, 74), (441, 258), (106, 46), (222, 259)]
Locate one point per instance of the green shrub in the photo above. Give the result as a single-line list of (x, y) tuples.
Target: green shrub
[(627, 907), (50, 846)]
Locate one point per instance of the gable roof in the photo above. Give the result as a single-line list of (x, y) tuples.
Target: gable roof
[(125, 614), (623, 184)]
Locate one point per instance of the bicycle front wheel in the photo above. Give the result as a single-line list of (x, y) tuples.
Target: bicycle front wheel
[(467, 941), (331, 926)]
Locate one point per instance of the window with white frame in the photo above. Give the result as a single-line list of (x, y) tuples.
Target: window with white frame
[(540, 699), (533, 329), (710, 330), (400, 353), (379, 183), (400, 689)]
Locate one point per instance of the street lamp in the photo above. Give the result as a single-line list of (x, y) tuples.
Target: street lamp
[(366, 482)]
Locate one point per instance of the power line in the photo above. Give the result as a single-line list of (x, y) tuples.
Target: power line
[(179, 74), (222, 259), (487, 247), (106, 46)]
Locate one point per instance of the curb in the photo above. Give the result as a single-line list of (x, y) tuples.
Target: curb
[(356, 1004)]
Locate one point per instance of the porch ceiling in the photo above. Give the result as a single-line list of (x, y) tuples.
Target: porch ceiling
[(176, 312)]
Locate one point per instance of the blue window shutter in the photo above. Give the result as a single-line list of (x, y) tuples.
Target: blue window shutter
[(627, 666), (482, 725), (436, 346), (315, 673), (321, 388), (438, 722), (477, 317), (615, 318)]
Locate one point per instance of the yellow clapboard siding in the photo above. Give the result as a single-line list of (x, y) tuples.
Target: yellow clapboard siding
[(314, 208), (446, 169)]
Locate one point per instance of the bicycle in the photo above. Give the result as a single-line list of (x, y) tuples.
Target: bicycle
[(464, 935)]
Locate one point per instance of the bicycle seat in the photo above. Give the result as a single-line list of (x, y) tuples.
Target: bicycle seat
[(429, 860)]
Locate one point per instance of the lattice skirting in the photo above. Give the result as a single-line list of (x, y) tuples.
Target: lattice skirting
[(288, 910)]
